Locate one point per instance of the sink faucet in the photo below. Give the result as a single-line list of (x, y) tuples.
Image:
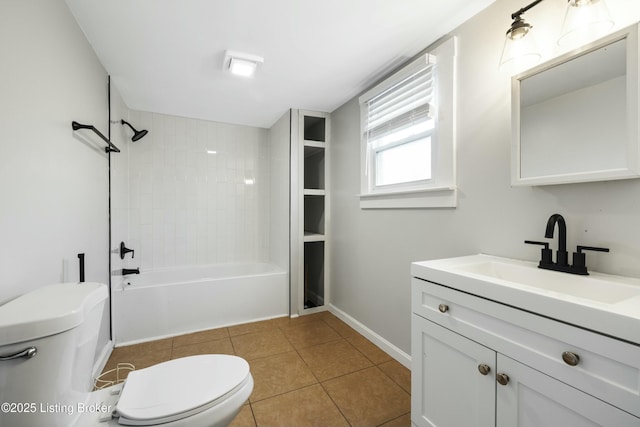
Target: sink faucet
[(579, 262), (561, 254)]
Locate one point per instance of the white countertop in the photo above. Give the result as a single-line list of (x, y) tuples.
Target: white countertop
[(603, 303)]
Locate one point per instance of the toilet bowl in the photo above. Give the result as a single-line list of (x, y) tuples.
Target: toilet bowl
[(48, 342)]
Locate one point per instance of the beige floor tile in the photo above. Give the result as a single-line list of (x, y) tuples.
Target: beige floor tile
[(139, 359), (260, 344), (368, 397), (221, 346), (244, 418), (403, 421), (279, 374), (264, 325), (310, 333), (369, 349), (398, 373), (333, 359), (202, 336), (306, 407), (340, 327)]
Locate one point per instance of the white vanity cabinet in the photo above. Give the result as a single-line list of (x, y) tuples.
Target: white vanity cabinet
[(477, 362)]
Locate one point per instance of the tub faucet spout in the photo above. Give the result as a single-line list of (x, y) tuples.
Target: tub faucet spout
[(126, 271), (561, 254)]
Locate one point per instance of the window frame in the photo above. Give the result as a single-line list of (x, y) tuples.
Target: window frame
[(440, 190)]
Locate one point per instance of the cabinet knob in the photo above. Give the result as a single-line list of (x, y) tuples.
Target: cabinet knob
[(570, 358), (503, 379), (484, 369), (443, 308)]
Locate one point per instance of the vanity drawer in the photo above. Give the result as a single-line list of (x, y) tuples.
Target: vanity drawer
[(604, 367)]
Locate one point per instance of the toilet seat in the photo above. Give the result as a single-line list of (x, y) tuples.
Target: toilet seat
[(179, 388)]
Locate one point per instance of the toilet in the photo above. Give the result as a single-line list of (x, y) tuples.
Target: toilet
[(48, 343)]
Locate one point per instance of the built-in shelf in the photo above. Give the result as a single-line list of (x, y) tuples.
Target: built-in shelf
[(313, 237), (313, 146), (314, 167), (314, 128), (311, 150)]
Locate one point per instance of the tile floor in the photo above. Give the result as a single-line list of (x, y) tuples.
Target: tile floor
[(309, 371)]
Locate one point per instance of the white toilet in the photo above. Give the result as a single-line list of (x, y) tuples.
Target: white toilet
[(48, 343)]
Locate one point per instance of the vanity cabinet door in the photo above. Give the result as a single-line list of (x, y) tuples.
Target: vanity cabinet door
[(448, 389), (533, 399)]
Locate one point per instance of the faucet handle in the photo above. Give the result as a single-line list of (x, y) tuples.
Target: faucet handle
[(124, 250), (545, 253), (533, 242), (591, 248), (580, 260)]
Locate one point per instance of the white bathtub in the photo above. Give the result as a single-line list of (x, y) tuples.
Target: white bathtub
[(168, 302)]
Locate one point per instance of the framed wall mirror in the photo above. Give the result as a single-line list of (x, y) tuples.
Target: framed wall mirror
[(575, 118)]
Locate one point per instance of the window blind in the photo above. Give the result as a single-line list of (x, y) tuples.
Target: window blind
[(406, 104)]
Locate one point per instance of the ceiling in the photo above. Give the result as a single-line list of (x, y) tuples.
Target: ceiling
[(166, 56)]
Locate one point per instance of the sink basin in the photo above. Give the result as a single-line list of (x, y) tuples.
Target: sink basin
[(588, 287), (603, 303)]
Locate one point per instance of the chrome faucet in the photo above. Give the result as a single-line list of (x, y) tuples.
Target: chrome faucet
[(579, 260)]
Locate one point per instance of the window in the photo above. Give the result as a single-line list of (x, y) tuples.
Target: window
[(407, 135)]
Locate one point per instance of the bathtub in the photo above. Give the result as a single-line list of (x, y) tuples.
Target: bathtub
[(168, 302)]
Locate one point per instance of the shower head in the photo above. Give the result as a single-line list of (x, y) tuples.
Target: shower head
[(137, 134)]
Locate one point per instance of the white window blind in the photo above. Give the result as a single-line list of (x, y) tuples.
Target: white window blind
[(403, 109)]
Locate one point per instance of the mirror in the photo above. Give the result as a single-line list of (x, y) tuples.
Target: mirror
[(575, 118)]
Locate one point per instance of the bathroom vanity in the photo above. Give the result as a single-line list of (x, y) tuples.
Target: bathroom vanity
[(499, 342)]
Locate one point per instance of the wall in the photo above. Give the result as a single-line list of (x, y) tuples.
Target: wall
[(189, 207), (279, 173), (371, 250), (54, 182)]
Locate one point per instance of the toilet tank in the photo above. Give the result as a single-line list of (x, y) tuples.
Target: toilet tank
[(62, 322)]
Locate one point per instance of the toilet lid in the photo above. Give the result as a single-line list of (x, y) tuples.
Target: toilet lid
[(179, 388)]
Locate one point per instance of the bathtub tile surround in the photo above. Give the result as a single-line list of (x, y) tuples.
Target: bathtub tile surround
[(311, 370), (198, 192)]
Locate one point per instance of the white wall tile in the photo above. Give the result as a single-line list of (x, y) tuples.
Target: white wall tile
[(195, 207)]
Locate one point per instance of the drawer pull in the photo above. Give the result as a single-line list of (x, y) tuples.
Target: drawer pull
[(570, 358), (443, 308), (503, 379), (484, 369)]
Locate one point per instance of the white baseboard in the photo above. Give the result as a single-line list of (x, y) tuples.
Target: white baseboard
[(386, 346)]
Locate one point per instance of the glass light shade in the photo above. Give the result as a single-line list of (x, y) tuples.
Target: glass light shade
[(519, 52), (584, 21)]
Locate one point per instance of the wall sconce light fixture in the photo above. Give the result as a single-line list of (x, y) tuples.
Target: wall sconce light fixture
[(584, 20)]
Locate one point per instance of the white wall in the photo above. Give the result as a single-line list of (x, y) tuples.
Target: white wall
[(371, 250), (188, 207), (53, 182), (279, 172)]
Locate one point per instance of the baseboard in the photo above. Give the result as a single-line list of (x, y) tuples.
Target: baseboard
[(383, 344)]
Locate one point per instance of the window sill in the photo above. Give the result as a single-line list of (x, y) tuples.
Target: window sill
[(438, 197)]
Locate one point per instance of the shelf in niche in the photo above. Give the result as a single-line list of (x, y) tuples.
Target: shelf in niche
[(318, 145), (310, 236), (314, 128), (314, 192)]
